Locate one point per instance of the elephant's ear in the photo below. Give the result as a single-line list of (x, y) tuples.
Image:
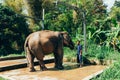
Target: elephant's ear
[(62, 33), (60, 39)]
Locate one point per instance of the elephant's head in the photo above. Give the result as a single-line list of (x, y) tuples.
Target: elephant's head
[(67, 41)]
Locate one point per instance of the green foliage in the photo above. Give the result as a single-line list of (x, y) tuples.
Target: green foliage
[(115, 11), (16, 5), (112, 73), (60, 17), (100, 52), (106, 34), (69, 53), (13, 31), (3, 78), (59, 21), (94, 51)]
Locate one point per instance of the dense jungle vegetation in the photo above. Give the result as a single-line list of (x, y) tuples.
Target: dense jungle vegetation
[(18, 18)]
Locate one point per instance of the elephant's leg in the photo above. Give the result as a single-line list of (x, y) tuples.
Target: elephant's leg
[(31, 63), (56, 59), (40, 57), (30, 58), (42, 65), (60, 61), (59, 54)]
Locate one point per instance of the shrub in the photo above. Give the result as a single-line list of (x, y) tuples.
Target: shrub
[(13, 31), (112, 73)]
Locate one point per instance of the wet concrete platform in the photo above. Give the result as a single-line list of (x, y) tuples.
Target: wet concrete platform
[(17, 70), (70, 72), (19, 63)]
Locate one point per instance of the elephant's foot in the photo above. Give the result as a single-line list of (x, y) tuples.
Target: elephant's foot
[(32, 70), (44, 68), (59, 67)]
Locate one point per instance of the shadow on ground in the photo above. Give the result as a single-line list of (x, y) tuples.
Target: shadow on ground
[(68, 66)]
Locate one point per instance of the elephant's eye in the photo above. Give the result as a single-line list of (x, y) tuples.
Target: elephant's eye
[(68, 38)]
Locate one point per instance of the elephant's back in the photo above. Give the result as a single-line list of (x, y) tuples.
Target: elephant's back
[(44, 33), (48, 33)]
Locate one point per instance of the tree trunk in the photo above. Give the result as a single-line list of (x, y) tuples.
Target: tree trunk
[(34, 9)]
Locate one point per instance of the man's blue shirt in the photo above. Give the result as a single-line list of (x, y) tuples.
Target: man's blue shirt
[(79, 47)]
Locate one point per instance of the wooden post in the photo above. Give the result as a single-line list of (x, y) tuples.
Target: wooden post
[(56, 2), (43, 14), (84, 27)]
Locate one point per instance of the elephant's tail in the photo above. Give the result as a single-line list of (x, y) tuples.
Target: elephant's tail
[(26, 50), (26, 45)]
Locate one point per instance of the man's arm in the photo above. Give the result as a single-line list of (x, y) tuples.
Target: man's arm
[(80, 52)]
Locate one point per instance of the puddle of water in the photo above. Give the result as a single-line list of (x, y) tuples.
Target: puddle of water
[(70, 65)]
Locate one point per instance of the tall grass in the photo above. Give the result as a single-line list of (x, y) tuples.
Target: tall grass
[(104, 52), (3, 78), (112, 73), (69, 53), (100, 52)]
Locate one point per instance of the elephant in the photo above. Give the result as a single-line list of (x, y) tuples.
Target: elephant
[(41, 43)]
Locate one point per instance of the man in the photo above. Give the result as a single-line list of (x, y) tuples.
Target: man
[(79, 53)]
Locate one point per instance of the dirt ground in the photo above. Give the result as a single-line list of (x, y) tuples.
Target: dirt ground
[(71, 72)]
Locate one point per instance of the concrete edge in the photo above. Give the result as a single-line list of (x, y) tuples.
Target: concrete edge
[(23, 65), (12, 58), (93, 75), (6, 77)]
